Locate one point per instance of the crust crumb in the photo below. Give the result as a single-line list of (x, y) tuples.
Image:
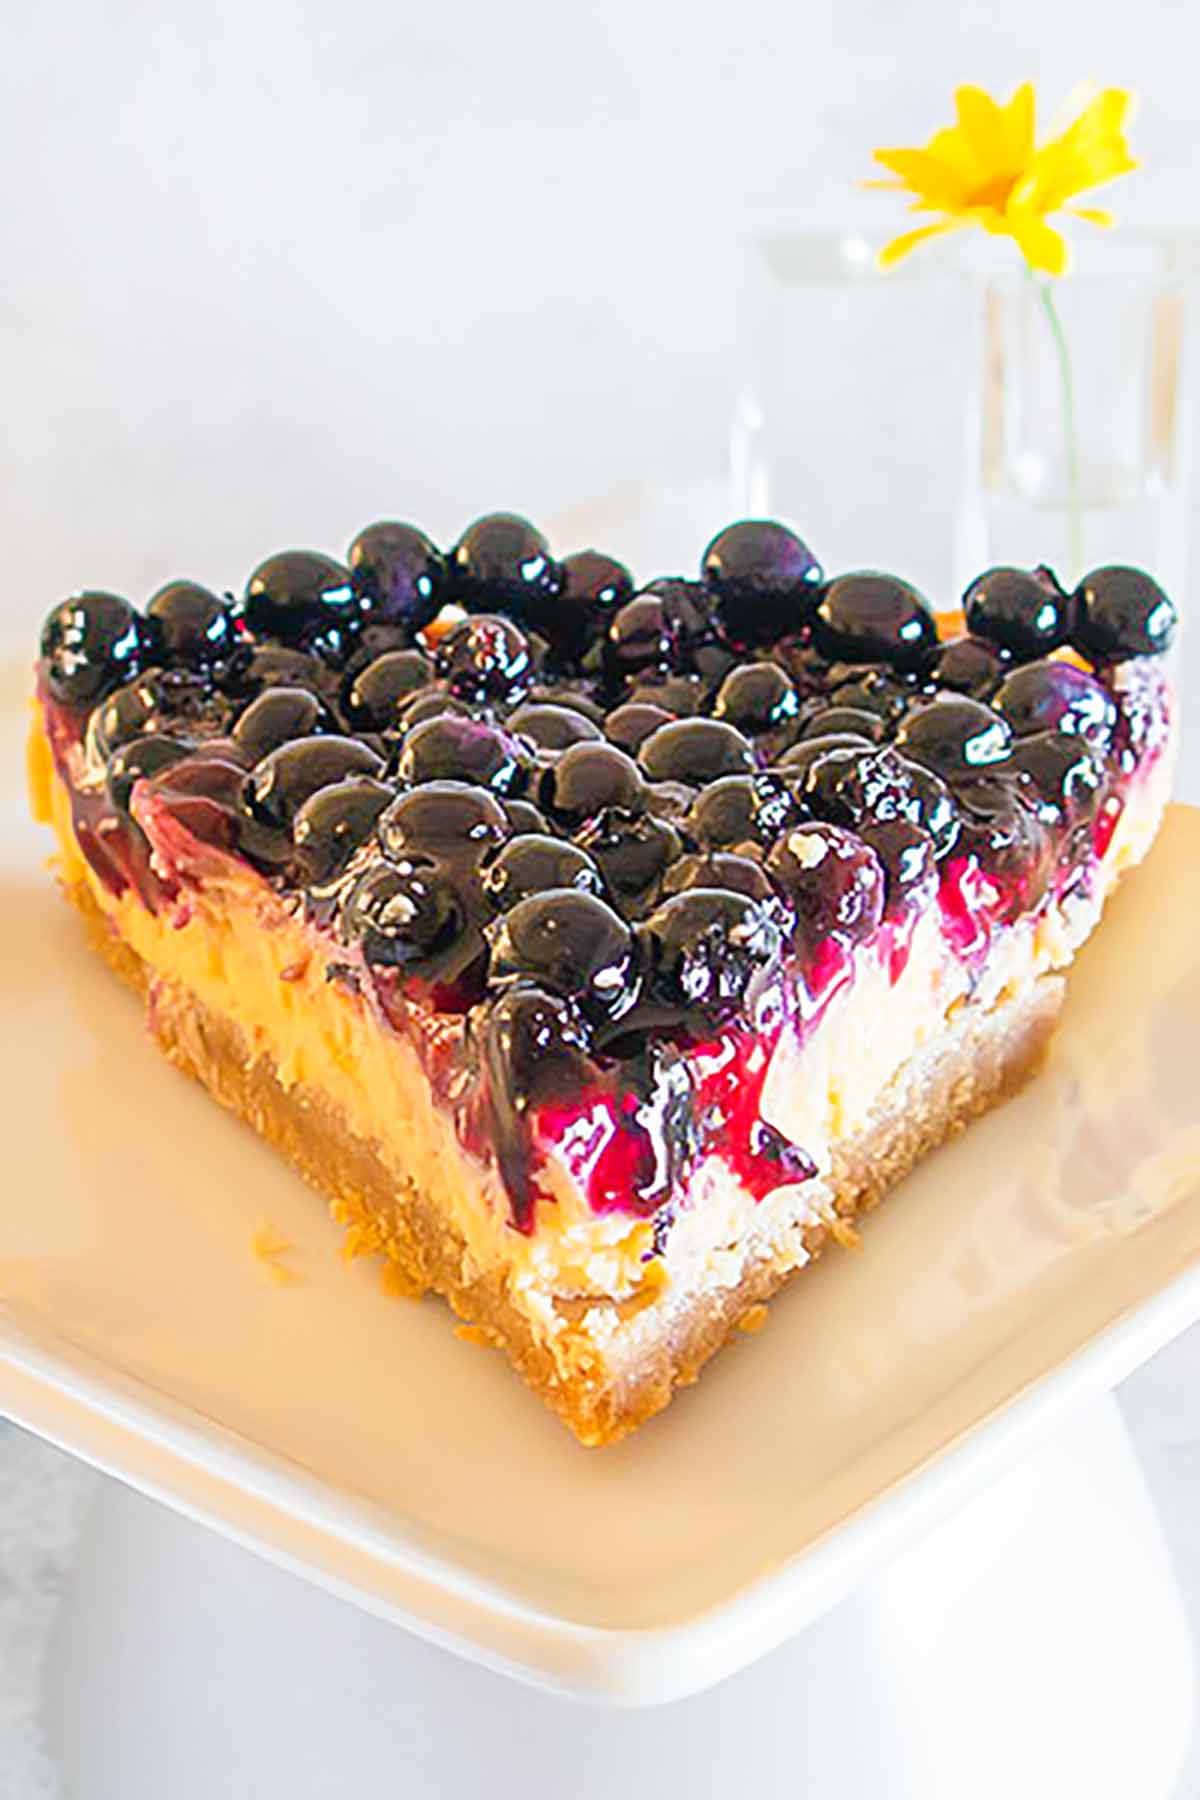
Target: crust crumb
[(842, 1232), (269, 1244), (753, 1319), (476, 1334)]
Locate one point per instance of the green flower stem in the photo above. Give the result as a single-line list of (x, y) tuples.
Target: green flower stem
[(1070, 427)]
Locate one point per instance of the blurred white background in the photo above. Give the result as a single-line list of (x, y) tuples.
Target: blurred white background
[(274, 269)]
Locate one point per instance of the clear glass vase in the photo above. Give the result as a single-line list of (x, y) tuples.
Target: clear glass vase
[(1126, 496), (914, 421)]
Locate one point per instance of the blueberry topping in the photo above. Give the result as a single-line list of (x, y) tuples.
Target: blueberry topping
[(639, 639), (1122, 613), (333, 823), (630, 725), (1056, 696), (443, 818), (504, 561), (429, 703), (678, 695), (189, 625), (447, 748), (298, 596), (279, 785), (594, 587), (398, 574), (376, 694), (1000, 827), (835, 882), (857, 787), (403, 915), (705, 948), (587, 778), (756, 697), (1025, 612), (830, 721), (909, 865), (696, 751), (273, 665), (533, 1048), (90, 644), (969, 665), (741, 809), (524, 817), (486, 658), (795, 763), (574, 698), (765, 579), (956, 738), (883, 692), (874, 618), (720, 869), (570, 942), (142, 758), (632, 850), (278, 716), (534, 862), (170, 701), (1060, 775), (552, 727), (692, 614)]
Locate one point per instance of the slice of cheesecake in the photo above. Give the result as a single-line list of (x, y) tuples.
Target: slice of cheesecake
[(599, 954)]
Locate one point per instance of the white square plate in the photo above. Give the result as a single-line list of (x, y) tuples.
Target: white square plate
[(354, 1438)]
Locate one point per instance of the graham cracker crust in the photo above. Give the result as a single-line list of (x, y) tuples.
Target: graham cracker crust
[(979, 1059)]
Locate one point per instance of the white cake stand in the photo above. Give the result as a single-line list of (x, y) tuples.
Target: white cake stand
[(1032, 1645)]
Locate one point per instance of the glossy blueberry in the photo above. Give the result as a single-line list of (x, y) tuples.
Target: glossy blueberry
[(756, 697), (704, 948), (632, 850), (587, 778), (739, 810), (486, 658), (374, 696), (696, 751), (765, 579), (909, 864), (719, 869), (443, 819), (874, 618), (569, 694), (679, 695), (569, 942), (969, 665), (955, 737), (859, 787), (170, 701), (297, 596), (639, 639), (1060, 775), (333, 823), (447, 748), (190, 625), (279, 785), (403, 915), (553, 727), (828, 721), (1000, 827), (261, 666), (693, 616), (1056, 696), (278, 716), (398, 573), (429, 703), (144, 757), (594, 587), (795, 763), (533, 862), (90, 644), (1122, 612), (207, 794), (834, 881), (524, 817), (533, 1046), (501, 560), (869, 689), (630, 725), (1024, 611)]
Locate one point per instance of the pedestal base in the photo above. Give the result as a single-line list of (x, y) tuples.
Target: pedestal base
[(1033, 1645)]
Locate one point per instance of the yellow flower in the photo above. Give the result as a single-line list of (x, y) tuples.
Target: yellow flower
[(986, 170)]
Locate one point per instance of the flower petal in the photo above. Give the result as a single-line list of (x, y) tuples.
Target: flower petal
[(1019, 124), (1095, 215), (983, 125), (1042, 247), (908, 241)]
